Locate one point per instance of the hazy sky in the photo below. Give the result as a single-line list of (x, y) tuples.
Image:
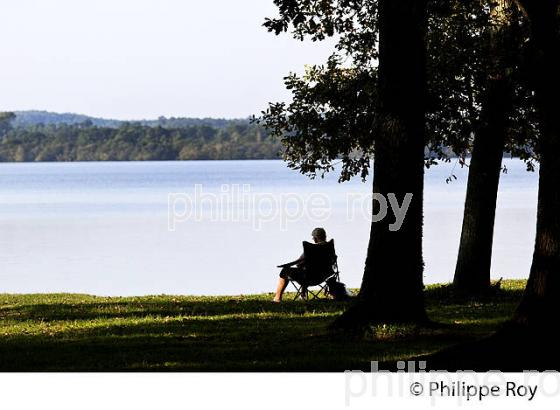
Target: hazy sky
[(132, 59)]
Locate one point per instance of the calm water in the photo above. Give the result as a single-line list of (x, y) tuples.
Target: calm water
[(103, 228)]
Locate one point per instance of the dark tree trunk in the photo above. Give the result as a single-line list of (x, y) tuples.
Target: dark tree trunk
[(472, 272), (392, 286), (540, 306)]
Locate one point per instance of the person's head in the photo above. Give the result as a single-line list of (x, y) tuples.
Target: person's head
[(319, 235)]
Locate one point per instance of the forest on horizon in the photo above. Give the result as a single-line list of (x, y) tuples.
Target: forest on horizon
[(35, 136)]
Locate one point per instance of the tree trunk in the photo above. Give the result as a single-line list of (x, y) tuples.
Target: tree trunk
[(472, 272), (540, 306), (392, 286)]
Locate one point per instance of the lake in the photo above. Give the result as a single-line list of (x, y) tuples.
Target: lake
[(219, 227)]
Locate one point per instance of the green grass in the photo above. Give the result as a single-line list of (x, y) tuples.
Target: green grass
[(67, 332)]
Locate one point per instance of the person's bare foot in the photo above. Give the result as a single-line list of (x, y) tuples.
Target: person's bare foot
[(276, 300)]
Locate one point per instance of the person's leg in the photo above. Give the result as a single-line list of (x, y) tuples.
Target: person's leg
[(282, 284)]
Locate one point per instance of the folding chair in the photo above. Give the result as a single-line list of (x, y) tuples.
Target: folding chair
[(320, 264)]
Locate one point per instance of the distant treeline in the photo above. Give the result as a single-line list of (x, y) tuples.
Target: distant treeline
[(34, 117), (85, 141)]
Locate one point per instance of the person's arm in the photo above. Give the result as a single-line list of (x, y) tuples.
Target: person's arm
[(299, 261)]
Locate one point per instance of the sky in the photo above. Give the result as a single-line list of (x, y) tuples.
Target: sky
[(136, 59)]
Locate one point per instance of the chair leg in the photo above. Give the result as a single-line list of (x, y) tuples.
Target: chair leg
[(303, 292), (315, 294), (298, 290)]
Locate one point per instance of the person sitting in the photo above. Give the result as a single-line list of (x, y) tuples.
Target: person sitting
[(296, 270)]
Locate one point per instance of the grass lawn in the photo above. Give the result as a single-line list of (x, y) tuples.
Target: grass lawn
[(67, 332)]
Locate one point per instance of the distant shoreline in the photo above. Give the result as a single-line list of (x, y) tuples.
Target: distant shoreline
[(49, 137), (140, 161), (168, 160), (40, 136)]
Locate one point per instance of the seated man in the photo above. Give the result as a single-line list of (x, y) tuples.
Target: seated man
[(296, 270)]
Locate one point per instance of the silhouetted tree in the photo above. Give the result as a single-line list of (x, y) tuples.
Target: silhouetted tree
[(392, 287), (500, 47), (540, 307), (385, 114), (335, 114), (527, 337)]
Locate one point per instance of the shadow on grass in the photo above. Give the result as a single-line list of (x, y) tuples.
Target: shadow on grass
[(224, 334), (229, 344), (138, 309)]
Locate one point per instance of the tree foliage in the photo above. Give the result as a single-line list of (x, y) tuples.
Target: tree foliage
[(333, 114), (6, 119)]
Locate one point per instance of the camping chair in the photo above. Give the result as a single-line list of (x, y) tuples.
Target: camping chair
[(320, 266)]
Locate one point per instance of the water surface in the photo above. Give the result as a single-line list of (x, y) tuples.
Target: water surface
[(103, 227)]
